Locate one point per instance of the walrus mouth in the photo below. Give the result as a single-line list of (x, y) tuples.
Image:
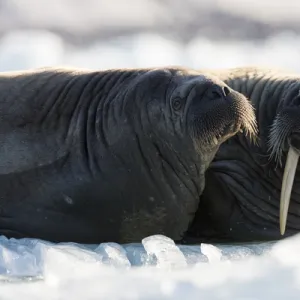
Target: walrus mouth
[(282, 137)]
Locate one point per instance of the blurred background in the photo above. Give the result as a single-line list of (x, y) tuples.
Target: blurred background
[(146, 33)]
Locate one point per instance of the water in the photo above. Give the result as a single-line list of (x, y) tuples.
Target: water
[(156, 268)]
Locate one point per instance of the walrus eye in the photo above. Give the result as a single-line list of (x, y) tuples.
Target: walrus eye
[(177, 104)]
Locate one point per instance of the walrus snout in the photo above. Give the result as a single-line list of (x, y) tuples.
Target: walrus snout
[(220, 114)]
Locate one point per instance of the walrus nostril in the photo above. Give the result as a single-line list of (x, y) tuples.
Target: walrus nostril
[(219, 91), (226, 91)]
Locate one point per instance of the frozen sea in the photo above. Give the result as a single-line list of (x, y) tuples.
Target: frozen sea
[(156, 268)]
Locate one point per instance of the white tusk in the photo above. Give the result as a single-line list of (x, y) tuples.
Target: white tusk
[(286, 188)]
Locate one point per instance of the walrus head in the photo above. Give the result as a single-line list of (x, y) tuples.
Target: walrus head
[(202, 107), (196, 107), (285, 138), (224, 113), (186, 115), (213, 112)]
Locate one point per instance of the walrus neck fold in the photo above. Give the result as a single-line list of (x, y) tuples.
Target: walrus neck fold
[(95, 105), (170, 154)]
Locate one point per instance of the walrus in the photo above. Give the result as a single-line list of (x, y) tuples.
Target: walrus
[(92, 156), (249, 185)]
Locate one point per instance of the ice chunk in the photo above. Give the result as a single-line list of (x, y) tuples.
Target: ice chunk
[(80, 272), (113, 254), (212, 252), (20, 260), (137, 255), (61, 260), (168, 255), (193, 254)]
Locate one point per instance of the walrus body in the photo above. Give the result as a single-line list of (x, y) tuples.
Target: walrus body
[(241, 200), (89, 156)]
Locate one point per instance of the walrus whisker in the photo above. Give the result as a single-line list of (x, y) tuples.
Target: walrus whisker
[(250, 129), (278, 133), (249, 124)]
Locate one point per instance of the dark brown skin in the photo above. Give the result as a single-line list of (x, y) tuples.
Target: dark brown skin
[(240, 202), (116, 155)]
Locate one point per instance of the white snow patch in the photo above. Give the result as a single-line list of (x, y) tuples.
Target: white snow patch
[(57, 271)]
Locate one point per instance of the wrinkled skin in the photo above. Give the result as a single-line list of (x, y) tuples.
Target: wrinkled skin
[(90, 157), (241, 199)]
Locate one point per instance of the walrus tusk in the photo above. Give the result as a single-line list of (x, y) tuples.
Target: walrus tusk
[(286, 188)]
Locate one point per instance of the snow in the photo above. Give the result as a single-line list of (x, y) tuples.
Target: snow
[(155, 268)]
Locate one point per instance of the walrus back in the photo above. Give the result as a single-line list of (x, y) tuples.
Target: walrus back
[(51, 108)]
